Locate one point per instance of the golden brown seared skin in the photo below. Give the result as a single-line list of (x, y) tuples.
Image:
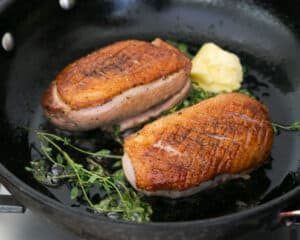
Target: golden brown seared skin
[(227, 134), (123, 84), (98, 77)]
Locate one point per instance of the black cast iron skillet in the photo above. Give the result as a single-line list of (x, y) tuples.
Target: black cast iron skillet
[(46, 37)]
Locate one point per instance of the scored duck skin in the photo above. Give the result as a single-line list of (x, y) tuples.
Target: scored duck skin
[(216, 139), (118, 83)]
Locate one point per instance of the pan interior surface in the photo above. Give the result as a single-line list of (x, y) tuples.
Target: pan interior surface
[(47, 38)]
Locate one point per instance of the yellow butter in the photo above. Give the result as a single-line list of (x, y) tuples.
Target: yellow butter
[(216, 70)]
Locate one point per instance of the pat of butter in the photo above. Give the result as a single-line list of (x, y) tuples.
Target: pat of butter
[(216, 70)]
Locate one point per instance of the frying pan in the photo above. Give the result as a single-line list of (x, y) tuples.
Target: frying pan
[(40, 37)]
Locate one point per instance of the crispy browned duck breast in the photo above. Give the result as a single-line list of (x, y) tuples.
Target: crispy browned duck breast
[(117, 83), (174, 156)]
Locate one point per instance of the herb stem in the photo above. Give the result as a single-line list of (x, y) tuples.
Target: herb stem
[(118, 197), (72, 164), (291, 127), (94, 154), (42, 137), (67, 143), (64, 176)]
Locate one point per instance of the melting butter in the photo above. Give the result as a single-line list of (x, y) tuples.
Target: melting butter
[(216, 70)]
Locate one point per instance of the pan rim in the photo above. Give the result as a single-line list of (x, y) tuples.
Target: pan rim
[(37, 196)]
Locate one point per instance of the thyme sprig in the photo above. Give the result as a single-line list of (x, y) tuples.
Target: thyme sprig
[(295, 126), (67, 142), (120, 201)]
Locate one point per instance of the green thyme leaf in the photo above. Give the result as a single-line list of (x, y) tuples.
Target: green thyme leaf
[(119, 199), (92, 179), (74, 192), (102, 153)]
